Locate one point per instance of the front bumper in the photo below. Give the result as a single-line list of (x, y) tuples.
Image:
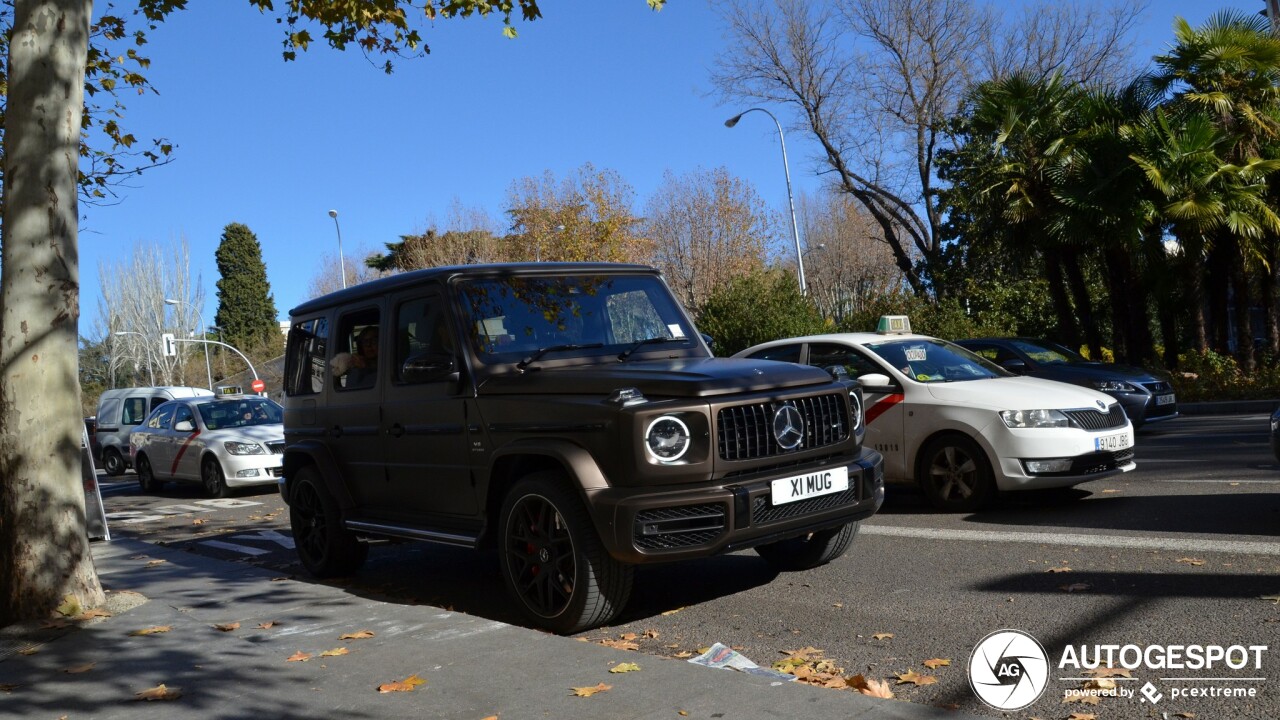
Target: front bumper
[(735, 515), (1014, 447), (252, 470)]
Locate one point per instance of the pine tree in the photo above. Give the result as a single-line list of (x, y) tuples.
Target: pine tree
[(246, 309)]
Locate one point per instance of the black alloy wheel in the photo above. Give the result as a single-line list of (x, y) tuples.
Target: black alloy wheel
[(325, 547), (147, 481)]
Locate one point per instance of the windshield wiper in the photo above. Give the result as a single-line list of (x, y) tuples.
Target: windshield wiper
[(555, 348), (647, 341)]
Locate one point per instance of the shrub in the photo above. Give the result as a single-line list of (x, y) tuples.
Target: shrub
[(756, 308)]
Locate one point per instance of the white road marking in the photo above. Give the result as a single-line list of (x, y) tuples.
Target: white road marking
[(1106, 541)]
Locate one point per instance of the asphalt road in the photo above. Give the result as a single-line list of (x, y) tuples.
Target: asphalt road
[(1180, 552)]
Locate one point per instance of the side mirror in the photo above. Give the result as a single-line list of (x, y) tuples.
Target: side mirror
[(429, 367), (877, 383), (184, 426), (710, 341), (1014, 365)]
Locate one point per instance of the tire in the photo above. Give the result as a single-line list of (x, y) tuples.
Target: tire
[(325, 547), (809, 551), (112, 462), (147, 480), (213, 479), (955, 475), (553, 563)]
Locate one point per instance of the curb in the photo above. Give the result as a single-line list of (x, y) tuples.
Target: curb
[(1229, 407)]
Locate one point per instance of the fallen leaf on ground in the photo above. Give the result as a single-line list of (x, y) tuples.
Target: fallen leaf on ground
[(935, 663), (91, 614), (624, 667), (915, 678), (29, 650), (683, 654), (1189, 715), (628, 636), (882, 636), (77, 669), (8, 687), (870, 686), (1082, 716), (358, 635), (406, 685), (1106, 672), (335, 652), (70, 606), (153, 563), (1075, 587), (54, 624), (1100, 684), (651, 634), (1059, 569), (159, 692), (802, 653), (198, 521), (153, 630), (673, 612), (589, 691), (1273, 598), (619, 644), (683, 713), (279, 579), (299, 657), (1190, 561), (1111, 490), (267, 625), (1076, 696), (227, 627)]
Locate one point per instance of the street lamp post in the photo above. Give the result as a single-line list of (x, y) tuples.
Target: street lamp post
[(150, 372), (342, 263), (208, 367), (786, 169)]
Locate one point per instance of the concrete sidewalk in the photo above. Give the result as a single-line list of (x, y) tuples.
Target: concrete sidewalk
[(473, 668)]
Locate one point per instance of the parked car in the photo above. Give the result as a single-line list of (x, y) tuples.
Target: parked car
[(1275, 434), (120, 410), (223, 442), (963, 428), (568, 415), (1144, 397)]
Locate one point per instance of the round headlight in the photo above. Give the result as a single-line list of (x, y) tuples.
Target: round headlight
[(667, 438)]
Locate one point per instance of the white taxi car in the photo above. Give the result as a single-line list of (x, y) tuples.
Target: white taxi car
[(962, 427), (221, 441)]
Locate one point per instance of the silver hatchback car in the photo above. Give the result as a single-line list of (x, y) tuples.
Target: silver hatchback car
[(223, 442)]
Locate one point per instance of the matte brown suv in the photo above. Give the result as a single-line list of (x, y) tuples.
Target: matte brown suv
[(569, 415)]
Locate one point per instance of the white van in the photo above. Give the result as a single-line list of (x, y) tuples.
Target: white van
[(123, 409)]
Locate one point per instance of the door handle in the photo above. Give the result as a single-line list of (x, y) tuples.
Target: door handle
[(335, 431), (396, 430)]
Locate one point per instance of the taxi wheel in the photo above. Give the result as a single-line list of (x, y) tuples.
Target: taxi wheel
[(955, 475), (325, 547), (215, 483), (147, 481), (552, 560), (112, 462), (809, 551)]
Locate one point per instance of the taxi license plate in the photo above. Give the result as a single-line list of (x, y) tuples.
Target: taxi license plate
[(803, 487), (1119, 441), (1164, 399)]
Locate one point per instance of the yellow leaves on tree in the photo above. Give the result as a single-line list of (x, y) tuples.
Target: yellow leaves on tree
[(406, 685), (589, 691)]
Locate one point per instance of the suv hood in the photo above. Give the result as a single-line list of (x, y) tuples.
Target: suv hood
[(685, 377), (1019, 393)]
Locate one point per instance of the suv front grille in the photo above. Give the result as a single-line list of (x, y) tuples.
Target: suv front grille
[(679, 527), (745, 432), (1095, 420), (762, 511)]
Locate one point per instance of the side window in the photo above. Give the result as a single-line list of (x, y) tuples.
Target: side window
[(183, 413), (825, 355), (421, 333), (160, 420), (989, 352), (305, 357), (134, 412), (359, 345), (784, 353)]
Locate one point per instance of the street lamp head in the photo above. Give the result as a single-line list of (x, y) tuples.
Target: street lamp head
[(333, 214), (171, 301), (120, 333), (733, 120)]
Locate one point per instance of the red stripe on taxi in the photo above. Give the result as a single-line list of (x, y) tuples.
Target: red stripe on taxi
[(882, 405), (181, 451)]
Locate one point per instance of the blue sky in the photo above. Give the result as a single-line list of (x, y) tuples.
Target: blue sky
[(276, 145)]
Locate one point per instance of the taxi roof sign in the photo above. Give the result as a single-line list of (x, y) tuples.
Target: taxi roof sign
[(893, 325)]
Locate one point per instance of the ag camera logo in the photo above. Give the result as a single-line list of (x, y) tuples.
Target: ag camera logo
[(1008, 670)]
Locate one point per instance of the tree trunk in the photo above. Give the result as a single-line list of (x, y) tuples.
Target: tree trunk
[(1068, 333), (1216, 284), (1118, 288), (1242, 300), (1267, 297), (44, 548), (1084, 306)]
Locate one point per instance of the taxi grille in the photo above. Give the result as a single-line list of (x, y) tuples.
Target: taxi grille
[(763, 511), (276, 448), (1096, 420), (678, 527), (745, 432)]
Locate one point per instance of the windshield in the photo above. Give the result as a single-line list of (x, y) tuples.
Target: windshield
[(930, 360), (519, 319), (242, 412), (1047, 353)]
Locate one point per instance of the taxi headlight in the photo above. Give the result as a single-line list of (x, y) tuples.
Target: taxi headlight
[(667, 439), (1034, 419), (1112, 386), (243, 448)]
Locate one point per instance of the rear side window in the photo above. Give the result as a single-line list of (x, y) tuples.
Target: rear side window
[(134, 412), (305, 358), (781, 353), (161, 417)]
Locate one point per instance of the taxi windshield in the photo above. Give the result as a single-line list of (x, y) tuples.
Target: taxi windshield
[(220, 414), (930, 360), (1047, 353)]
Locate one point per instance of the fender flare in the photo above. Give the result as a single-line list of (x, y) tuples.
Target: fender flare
[(313, 452)]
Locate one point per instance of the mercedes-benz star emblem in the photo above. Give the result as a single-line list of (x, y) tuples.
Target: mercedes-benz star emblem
[(788, 427)]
